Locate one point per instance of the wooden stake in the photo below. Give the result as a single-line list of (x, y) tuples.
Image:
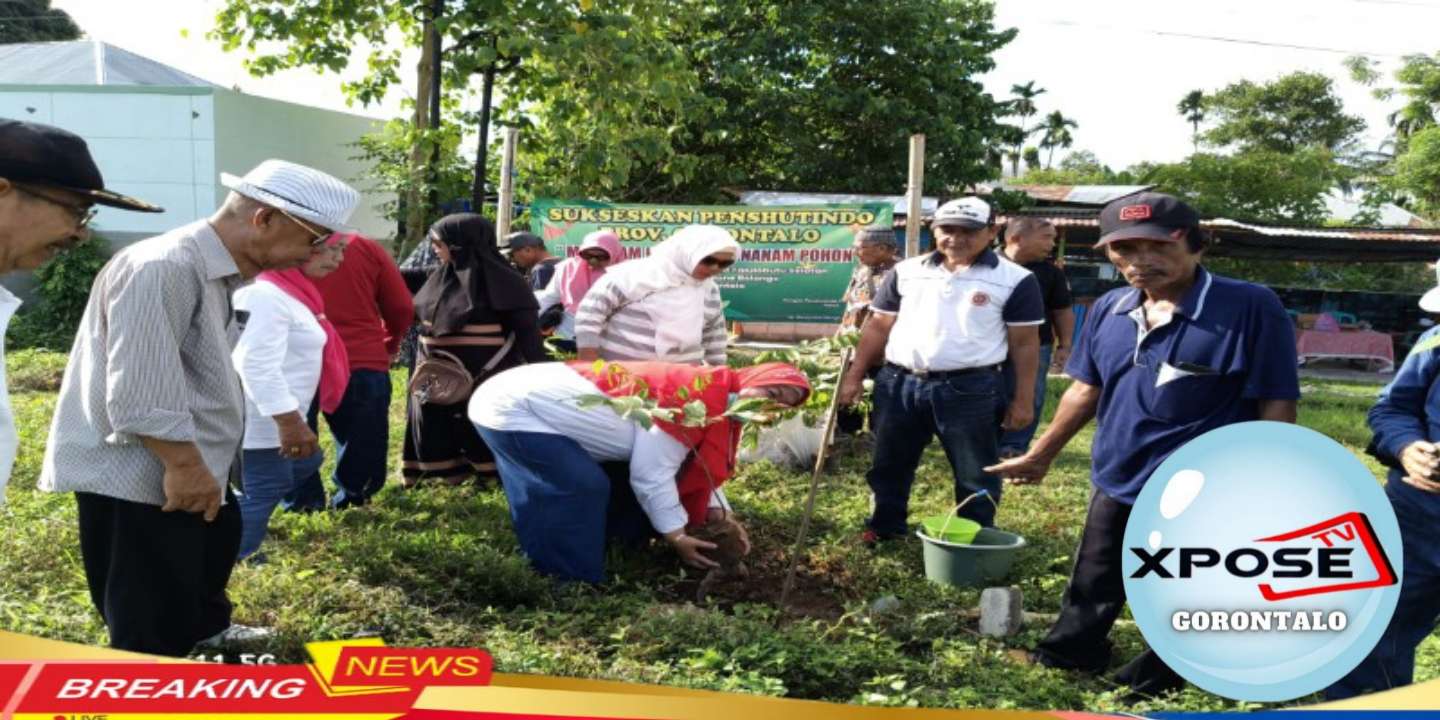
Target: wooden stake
[(914, 193), (505, 206), (831, 417)]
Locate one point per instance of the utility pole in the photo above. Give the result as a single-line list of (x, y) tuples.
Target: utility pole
[(505, 208), (914, 194)]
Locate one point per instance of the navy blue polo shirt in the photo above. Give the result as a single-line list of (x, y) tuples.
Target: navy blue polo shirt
[(1229, 345)]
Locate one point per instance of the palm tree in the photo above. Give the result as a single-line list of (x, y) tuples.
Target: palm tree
[(1032, 158), (1410, 119), (1057, 134), (1022, 105), (1192, 107)]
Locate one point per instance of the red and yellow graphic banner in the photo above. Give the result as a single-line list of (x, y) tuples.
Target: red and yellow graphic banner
[(366, 680)]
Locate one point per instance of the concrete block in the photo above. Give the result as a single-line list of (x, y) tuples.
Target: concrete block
[(1002, 611), (885, 605)]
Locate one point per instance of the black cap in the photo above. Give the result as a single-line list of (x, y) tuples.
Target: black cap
[(516, 240), (31, 152), (1149, 215)]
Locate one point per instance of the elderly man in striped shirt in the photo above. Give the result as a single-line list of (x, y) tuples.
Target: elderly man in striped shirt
[(148, 424)]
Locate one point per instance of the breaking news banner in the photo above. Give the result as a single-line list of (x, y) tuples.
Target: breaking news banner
[(809, 246), (1262, 563)]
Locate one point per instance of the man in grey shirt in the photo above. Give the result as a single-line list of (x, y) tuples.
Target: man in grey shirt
[(148, 424)]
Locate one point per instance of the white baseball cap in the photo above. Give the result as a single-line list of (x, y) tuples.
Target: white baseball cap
[(1430, 301), (304, 192), (967, 212)]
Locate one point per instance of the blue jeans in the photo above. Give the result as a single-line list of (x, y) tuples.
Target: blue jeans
[(559, 499), (1016, 442), (1392, 662), (268, 477), (361, 428), (963, 411)]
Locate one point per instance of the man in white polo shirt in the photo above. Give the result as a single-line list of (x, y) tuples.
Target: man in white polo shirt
[(943, 323)]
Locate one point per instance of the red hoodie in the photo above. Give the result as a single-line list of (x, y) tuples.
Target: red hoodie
[(367, 301)]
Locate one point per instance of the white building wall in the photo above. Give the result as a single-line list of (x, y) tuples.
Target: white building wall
[(153, 143), (168, 146), (250, 129)]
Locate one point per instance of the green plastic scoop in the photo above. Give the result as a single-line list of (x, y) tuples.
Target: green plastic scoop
[(950, 528)]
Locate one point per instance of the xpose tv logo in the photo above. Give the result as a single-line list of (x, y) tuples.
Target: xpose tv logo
[(1262, 561)]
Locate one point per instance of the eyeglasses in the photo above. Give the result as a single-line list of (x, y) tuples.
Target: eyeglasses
[(83, 213), (319, 236), (717, 262), (601, 255)]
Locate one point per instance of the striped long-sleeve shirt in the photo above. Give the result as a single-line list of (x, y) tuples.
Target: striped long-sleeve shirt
[(151, 359), (622, 330)]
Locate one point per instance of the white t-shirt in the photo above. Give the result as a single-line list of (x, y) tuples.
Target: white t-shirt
[(542, 398), (278, 357)]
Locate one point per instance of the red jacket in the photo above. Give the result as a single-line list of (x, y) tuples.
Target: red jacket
[(672, 385), (369, 304)]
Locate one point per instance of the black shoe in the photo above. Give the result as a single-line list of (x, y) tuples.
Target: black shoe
[(1148, 677)]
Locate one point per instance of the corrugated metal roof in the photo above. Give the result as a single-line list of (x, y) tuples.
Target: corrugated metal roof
[(1331, 233), (773, 197), (1337, 204), (1343, 207), (85, 62), (1079, 194), (1084, 217)]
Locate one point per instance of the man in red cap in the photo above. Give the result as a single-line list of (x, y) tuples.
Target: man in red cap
[(1178, 353), (48, 185)]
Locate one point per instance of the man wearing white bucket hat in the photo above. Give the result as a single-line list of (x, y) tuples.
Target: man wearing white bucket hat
[(148, 424)]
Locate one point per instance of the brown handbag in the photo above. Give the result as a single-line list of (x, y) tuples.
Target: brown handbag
[(441, 378)]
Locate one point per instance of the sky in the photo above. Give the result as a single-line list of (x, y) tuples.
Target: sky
[(1117, 67)]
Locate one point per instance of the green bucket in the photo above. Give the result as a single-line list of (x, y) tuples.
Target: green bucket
[(986, 559)]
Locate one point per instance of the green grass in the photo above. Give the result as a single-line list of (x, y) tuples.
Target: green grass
[(439, 566)]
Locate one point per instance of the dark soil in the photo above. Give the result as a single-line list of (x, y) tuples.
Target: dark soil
[(817, 594)]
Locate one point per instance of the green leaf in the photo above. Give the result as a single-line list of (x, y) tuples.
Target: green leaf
[(695, 413), (589, 401)]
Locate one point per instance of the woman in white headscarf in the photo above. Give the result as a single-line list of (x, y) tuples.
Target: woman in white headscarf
[(663, 307)]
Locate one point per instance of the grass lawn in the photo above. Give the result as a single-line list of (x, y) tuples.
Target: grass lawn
[(439, 566)]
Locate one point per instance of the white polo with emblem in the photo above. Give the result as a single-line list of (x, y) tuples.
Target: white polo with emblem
[(956, 320)]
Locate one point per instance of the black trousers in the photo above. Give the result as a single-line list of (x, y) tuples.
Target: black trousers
[(158, 578), (1079, 639)]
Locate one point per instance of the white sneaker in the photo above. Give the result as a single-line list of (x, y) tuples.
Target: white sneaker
[(236, 635)]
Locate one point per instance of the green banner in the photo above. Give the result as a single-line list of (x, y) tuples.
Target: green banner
[(795, 259)]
